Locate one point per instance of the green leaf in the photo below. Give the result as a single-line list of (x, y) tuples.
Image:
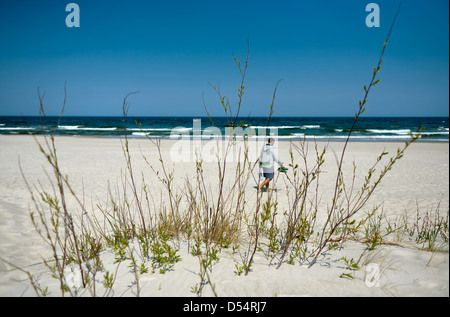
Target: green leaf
[(354, 266), (348, 275), (376, 82)]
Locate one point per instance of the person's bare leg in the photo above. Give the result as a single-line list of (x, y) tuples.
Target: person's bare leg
[(264, 183), (267, 185)]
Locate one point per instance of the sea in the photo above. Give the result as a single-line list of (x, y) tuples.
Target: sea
[(367, 129)]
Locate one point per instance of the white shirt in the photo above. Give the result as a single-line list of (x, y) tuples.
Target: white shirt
[(267, 157)]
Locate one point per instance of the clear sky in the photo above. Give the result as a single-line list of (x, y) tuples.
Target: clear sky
[(170, 51)]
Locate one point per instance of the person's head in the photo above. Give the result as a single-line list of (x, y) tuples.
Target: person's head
[(270, 141)]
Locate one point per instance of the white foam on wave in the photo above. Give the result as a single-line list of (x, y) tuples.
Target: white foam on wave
[(98, 129), (274, 127), (161, 129), (77, 127), (68, 127), (400, 131), (139, 134), (311, 126), (15, 128), (362, 137), (434, 133)]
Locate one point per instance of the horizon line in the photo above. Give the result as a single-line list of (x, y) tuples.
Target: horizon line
[(221, 116)]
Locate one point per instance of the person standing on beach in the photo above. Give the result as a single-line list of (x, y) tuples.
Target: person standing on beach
[(267, 158)]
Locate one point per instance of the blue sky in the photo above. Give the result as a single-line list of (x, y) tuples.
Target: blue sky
[(170, 51)]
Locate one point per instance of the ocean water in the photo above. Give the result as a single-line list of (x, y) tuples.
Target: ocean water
[(435, 129)]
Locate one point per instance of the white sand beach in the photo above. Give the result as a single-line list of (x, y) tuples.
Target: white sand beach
[(96, 166)]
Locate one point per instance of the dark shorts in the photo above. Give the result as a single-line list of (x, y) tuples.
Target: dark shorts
[(268, 175)]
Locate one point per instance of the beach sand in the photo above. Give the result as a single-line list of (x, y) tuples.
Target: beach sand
[(96, 166)]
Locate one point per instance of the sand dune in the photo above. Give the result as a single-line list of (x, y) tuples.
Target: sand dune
[(95, 166)]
